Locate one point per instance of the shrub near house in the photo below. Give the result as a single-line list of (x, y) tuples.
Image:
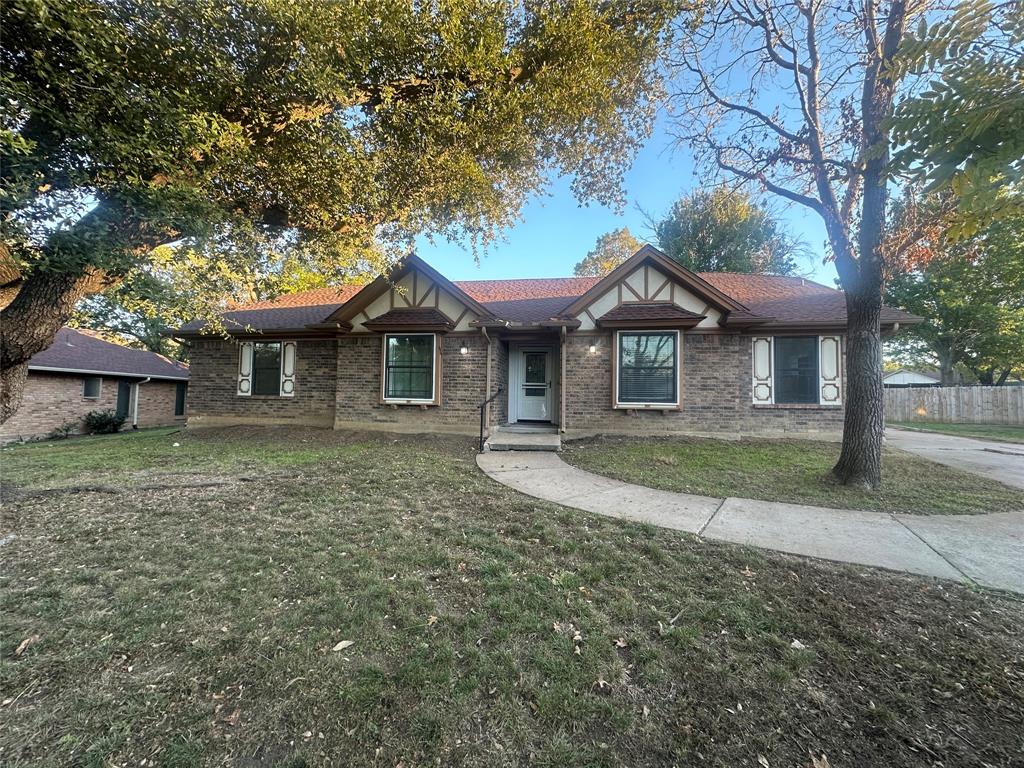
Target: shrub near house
[(81, 374), (651, 347)]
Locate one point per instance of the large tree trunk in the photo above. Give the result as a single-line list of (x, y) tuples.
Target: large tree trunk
[(30, 322), (947, 375), (860, 461)]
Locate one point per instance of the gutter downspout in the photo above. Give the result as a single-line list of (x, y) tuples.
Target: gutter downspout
[(135, 401)]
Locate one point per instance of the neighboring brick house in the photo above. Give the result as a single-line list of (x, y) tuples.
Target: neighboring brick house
[(651, 347), (81, 372)]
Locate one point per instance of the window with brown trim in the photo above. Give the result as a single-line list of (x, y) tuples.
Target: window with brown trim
[(409, 366), (648, 368)]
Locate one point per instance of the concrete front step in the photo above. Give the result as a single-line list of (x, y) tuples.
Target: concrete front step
[(502, 440)]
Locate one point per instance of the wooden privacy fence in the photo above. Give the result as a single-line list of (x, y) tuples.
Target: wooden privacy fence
[(956, 405)]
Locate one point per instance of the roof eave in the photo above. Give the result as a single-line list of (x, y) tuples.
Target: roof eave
[(409, 327), (684, 323), (63, 369), (292, 332)]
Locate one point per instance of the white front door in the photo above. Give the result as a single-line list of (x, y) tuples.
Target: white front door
[(535, 387)]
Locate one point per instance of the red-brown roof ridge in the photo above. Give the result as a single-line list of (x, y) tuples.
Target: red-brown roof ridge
[(785, 299)]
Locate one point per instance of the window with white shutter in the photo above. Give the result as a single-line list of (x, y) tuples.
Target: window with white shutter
[(793, 370), (830, 369), (245, 368), (288, 349), (762, 365)]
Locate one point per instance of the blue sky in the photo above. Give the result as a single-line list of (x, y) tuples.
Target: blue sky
[(556, 232)]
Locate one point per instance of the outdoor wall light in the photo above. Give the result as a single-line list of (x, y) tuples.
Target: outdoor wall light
[(593, 348), (464, 350)]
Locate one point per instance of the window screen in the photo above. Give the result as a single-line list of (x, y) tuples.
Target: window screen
[(179, 398), (648, 367), (266, 368), (796, 369), (409, 367), (91, 387)]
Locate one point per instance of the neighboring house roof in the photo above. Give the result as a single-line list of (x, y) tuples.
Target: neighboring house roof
[(764, 301), (907, 371), (80, 351)]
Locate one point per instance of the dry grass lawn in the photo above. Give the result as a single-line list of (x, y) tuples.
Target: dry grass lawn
[(790, 471), (290, 598)]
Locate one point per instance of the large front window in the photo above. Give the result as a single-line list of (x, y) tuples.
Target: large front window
[(648, 368), (409, 367), (796, 369), (266, 368)]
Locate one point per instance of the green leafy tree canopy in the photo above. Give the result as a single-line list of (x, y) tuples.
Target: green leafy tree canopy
[(234, 127), (970, 293), (724, 230), (962, 128)]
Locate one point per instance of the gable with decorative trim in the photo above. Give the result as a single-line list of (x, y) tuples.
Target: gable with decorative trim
[(416, 290), (647, 285)]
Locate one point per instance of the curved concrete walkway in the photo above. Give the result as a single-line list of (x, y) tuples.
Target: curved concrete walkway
[(981, 549)]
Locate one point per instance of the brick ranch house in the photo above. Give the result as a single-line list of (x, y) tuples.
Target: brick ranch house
[(650, 348), (81, 372)]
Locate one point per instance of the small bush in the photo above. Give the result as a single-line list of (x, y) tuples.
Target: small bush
[(103, 422), (64, 431)]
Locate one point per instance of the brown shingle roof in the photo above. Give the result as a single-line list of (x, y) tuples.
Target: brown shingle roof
[(786, 300), (84, 352), (793, 300), (410, 317), (529, 300), (290, 310), (657, 311)]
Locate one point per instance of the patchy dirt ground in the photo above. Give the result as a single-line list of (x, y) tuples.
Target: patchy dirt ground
[(263, 597)]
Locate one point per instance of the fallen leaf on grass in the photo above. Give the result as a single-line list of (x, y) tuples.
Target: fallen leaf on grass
[(820, 762), (762, 760), (341, 646), (621, 643), (231, 719), (796, 645), (24, 644), (432, 621)]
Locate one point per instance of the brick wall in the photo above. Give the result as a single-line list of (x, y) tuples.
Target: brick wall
[(156, 404), (463, 380), (716, 393), (338, 383), (499, 378), (52, 399), (213, 386)]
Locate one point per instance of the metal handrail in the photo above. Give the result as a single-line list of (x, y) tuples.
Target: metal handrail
[(483, 405)]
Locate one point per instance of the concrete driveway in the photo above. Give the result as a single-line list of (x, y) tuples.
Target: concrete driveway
[(980, 549), (1000, 461)]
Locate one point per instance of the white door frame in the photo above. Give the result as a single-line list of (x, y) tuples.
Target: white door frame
[(516, 374)]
